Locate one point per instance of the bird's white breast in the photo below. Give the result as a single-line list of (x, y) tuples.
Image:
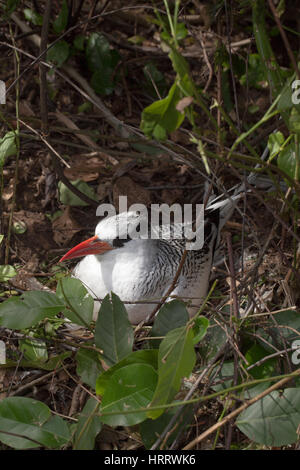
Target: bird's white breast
[(126, 272)]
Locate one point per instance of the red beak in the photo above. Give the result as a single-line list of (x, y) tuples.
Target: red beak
[(92, 246)]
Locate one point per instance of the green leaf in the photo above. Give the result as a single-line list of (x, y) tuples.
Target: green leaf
[(99, 54), (146, 356), (289, 322), (200, 328), (76, 298), (70, 199), (7, 272), (113, 331), (267, 56), (58, 53), (22, 312), (88, 427), (255, 75), (273, 420), (171, 315), (19, 227), (294, 121), (61, 21), (102, 81), (266, 369), (179, 63), (11, 5), (33, 16), (34, 349), (129, 388), (152, 428), (181, 31), (213, 341), (285, 102), (176, 359), (79, 42), (31, 419), (286, 160), (88, 366), (227, 370), (102, 61), (162, 116), (275, 141), (85, 107), (8, 146)]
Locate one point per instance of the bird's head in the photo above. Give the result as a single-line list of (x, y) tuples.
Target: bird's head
[(111, 232)]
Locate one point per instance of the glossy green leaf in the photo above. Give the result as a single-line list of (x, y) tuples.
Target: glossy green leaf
[(176, 359), (224, 377), (162, 116), (7, 272), (102, 81), (143, 356), (78, 302), (255, 75), (273, 420), (88, 366), (102, 61), (8, 146), (60, 23), (88, 426), (33, 16), (70, 199), (275, 141), (58, 53), (267, 56), (10, 6), (129, 388), (286, 160), (113, 331), (34, 349), (255, 354), (31, 419), (79, 41), (171, 315), (285, 102), (200, 328), (98, 52), (294, 121), (179, 63), (28, 309)]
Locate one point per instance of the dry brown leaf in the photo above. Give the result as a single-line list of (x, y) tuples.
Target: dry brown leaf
[(184, 103), (135, 193), (65, 227), (169, 196), (87, 167), (103, 189)]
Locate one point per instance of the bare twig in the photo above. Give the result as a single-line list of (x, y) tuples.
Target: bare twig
[(43, 69), (284, 38)]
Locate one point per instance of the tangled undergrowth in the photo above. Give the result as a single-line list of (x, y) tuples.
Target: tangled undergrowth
[(149, 101)]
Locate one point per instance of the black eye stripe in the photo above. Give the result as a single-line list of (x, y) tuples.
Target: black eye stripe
[(118, 242)]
